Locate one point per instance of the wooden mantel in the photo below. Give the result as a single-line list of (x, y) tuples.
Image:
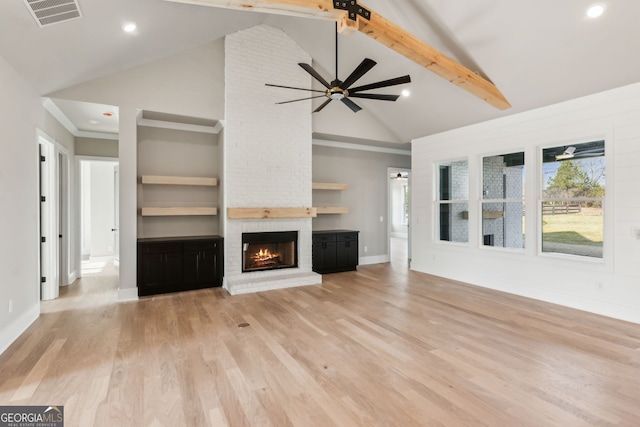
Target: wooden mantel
[(270, 213)]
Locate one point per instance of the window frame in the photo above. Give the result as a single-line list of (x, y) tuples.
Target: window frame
[(482, 201), (438, 202), (607, 226)]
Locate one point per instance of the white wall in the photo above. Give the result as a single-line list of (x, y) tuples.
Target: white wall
[(20, 113), (610, 287)]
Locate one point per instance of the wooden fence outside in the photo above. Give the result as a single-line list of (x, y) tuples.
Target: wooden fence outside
[(560, 209)]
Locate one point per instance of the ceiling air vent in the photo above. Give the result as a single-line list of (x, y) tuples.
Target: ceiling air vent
[(47, 12)]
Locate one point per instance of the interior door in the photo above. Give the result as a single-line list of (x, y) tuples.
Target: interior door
[(116, 216), (49, 287)]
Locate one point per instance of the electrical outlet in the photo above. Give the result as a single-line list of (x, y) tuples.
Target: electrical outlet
[(635, 233), (381, 219), (365, 249), (10, 306), (599, 286)]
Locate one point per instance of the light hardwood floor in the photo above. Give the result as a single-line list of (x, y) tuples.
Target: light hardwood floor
[(382, 346)]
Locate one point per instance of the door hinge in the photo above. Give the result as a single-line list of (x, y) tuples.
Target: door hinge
[(43, 158), (43, 198), (43, 280), (43, 239)]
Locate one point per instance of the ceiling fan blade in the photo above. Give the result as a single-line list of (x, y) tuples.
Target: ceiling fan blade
[(360, 71), (384, 83), (349, 103), (374, 96), (301, 99), (324, 104), (296, 88), (315, 74)]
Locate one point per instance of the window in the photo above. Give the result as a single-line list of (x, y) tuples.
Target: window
[(452, 201), (573, 190), (405, 204), (502, 203)]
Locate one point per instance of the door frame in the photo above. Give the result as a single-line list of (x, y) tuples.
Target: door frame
[(48, 264), (78, 204), (390, 206)]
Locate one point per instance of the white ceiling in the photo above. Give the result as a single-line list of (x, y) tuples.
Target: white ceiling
[(536, 52)]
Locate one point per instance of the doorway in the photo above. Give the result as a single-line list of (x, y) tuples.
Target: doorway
[(399, 215), (98, 215), (56, 268)]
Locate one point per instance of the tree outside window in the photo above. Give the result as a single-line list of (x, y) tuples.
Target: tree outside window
[(573, 191)]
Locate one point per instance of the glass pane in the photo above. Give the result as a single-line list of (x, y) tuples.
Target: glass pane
[(503, 225), (503, 176), (454, 181), (454, 222), (574, 171), (576, 229)]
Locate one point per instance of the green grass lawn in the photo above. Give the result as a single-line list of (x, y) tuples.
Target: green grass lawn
[(585, 228)]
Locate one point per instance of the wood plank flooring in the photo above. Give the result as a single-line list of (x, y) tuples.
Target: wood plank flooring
[(382, 346)]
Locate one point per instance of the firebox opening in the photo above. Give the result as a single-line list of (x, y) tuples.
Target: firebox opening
[(269, 251)]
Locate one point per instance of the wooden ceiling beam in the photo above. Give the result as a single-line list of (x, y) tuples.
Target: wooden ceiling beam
[(380, 29)]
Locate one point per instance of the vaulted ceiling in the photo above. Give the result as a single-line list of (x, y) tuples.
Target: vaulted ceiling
[(536, 53)]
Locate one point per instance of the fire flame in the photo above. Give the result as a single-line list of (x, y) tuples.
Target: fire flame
[(265, 255)]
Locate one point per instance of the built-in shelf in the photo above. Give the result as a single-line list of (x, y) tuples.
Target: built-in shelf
[(179, 180), (486, 214), (329, 186), (179, 211), (332, 210), (265, 213)]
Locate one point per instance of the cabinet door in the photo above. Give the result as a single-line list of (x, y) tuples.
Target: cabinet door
[(347, 254), (207, 272), (173, 270), (324, 256), (152, 272), (201, 265), (160, 268)]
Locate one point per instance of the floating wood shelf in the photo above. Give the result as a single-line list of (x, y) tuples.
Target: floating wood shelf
[(183, 211), (264, 213), (179, 180), (332, 210), (329, 186), (485, 214)]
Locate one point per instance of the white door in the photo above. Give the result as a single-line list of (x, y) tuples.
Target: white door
[(116, 216), (49, 288)]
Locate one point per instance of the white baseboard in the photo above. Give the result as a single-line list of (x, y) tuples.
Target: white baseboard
[(17, 328), (376, 259), (127, 294), (72, 278)]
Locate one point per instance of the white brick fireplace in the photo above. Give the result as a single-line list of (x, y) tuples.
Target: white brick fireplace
[(267, 151)]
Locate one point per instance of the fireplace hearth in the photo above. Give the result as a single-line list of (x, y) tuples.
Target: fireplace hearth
[(269, 251)]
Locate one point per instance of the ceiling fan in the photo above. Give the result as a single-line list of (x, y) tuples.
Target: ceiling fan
[(341, 90)]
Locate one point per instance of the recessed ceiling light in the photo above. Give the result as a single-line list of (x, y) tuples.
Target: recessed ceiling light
[(596, 10), (129, 27), (94, 122), (406, 92)]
